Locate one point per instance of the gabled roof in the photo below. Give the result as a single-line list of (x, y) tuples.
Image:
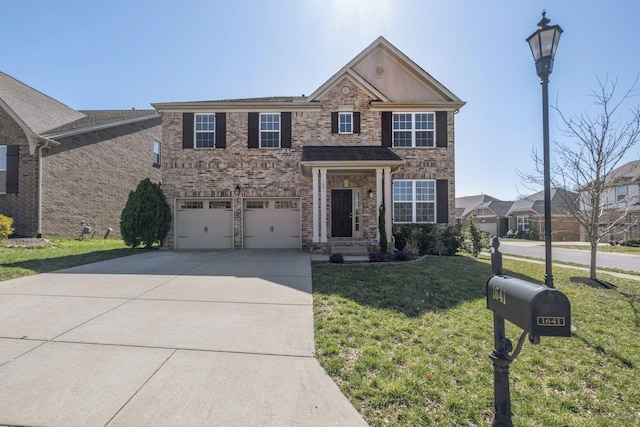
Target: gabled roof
[(468, 203), (535, 202), (627, 173), (33, 109), (43, 118), (370, 68)]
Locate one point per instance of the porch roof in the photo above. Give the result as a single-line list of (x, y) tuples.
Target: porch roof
[(349, 157)]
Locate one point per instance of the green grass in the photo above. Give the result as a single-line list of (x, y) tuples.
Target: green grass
[(408, 344), (602, 248), (24, 261)]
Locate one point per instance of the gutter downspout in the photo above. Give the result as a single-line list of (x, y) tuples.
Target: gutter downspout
[(40, 148)]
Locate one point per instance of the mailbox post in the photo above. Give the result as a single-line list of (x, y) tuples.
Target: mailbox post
[(538, 310)]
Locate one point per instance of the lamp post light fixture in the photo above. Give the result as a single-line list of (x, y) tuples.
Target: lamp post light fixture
[(544, 43)]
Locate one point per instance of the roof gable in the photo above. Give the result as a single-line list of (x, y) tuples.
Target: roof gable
[(33, 109), (391, 73)]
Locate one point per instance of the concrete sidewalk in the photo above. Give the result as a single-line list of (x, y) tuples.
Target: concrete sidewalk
[(167, 338)]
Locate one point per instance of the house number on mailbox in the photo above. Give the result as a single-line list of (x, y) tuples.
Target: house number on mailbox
[(499, 295), (550, 321)]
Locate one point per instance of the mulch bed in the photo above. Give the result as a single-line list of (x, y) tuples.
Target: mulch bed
[(26, 242)]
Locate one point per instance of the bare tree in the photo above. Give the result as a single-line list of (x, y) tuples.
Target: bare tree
[(593, 148)]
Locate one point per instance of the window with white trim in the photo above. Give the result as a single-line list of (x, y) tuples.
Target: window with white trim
[(621, 194), (345, 123), (414, 130), (523, 223), (156, 152), (270, 130), (3, 169), (205, 131), (414, 201)]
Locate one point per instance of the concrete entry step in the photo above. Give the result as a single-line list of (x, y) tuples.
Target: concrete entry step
[(351, 250)]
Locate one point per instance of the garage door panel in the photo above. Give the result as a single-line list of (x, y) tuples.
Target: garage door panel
[(204, 224), (272, 223)]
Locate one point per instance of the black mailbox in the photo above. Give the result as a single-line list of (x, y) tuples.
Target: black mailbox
[(539, 310)]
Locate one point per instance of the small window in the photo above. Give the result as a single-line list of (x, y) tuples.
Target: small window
[(3, 169), (345, 123), (286, 204), (205, 131), (256, 204), (220, 205), (621, 194), (156, 153), (192, 204), (269, 130)]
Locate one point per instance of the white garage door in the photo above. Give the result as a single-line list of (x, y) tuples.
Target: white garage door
[(204, 224), (271, 223), (490, 227)]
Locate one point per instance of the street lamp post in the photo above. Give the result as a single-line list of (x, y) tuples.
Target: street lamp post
[(543, 43)]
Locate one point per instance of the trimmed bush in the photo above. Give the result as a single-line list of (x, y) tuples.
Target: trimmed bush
[(376, 257), (336, 258), (403, 256), (146, 217), (6, 227), (534, 235), (450, 239), (631, 242)]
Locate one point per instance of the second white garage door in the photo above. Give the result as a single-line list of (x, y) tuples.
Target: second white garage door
[(204, 224), (271, 223)]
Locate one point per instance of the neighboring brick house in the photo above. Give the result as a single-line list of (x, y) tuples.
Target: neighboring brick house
[(312, 171), (498, 217), (527, 214), (60, 167)]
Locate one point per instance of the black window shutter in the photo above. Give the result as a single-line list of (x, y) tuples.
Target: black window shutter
[(387, 129), (221, 130), (285, 130), (334, 122), (442, 201), (13, 160), (356, 122), (187, 130), (441, 129), (254, 130)]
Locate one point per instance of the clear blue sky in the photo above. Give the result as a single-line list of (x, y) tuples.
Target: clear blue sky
[(122, 54)]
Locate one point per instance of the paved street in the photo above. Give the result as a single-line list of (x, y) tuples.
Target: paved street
[(603, 260)]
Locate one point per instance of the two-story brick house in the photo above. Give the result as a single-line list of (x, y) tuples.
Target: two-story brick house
[(60, 166), (312, 171)]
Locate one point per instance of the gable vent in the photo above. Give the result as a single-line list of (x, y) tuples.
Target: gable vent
[(379, 71)]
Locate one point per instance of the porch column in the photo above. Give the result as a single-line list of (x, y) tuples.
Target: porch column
[(323, 205), (388, 203), (314, 215), (378, 198)]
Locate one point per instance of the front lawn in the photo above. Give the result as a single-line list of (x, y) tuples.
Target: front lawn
[(64, 253), (407, 343)]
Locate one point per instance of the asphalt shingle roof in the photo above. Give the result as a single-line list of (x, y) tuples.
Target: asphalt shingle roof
[(312, 153), (95, 117)]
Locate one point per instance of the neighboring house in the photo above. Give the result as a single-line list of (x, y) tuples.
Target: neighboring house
[(498, 217), (490, 213), (312, 171), (527, 214), (60, 167), (620, 202)]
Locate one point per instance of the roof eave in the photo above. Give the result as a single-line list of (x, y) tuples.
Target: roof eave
[(100, 126), (221, 107), (412, 106), (360, 165)]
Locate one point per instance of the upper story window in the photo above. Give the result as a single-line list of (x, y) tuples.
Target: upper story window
[(205, 131), (156, 152), (345, 123), (414, 130), (414, 201), (3, 169), (269, 130), (621, 194)]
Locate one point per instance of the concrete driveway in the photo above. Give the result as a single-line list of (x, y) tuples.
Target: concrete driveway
[(166, 338)]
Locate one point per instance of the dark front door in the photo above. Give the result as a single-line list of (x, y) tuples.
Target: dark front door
[(341, 213)]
